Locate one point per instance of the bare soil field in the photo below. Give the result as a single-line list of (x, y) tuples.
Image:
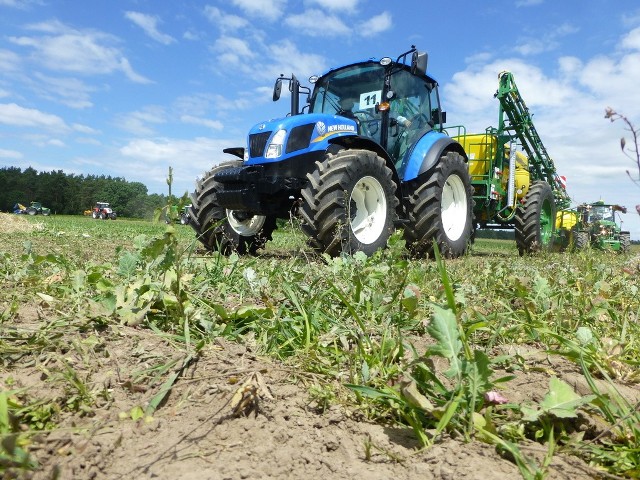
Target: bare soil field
[(233, 414)]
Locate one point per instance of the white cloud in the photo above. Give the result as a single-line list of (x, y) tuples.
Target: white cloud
[(20, 4), (528, 3), (224, 20), (234, 51), (149, 23), (68, 91), (17, 116), (9, 61), (317, 23), (337, 5), (547, 41), (204, 122), (189, 159), (270, 10), (632, 40), (88, 52), (284, 57), (56, 142), (10, 154), (84, 129), (375, 25), (138, 122)]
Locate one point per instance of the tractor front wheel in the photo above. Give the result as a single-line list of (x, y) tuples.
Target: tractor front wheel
[(349, 203), (223, 230), (535, 219), (440, 207)]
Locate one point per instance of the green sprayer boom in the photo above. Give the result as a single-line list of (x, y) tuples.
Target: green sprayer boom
[(520, 122)]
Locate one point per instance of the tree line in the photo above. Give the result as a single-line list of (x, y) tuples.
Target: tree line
[(70, 194)]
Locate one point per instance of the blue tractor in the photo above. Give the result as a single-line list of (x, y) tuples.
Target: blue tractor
[(367, 155)]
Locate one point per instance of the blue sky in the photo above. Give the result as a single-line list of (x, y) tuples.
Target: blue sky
[(128, 88)]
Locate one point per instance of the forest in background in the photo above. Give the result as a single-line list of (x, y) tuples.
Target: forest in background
[(70, 194)]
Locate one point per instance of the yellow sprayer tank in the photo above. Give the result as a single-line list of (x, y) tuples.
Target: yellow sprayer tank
[(566, 219), (522, 180), (481, 149)]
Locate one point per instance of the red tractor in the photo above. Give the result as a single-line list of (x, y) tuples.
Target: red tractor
[(104, 211)]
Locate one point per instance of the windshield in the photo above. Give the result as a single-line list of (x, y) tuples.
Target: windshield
[(601, 212), (352, 92), (357, 88)]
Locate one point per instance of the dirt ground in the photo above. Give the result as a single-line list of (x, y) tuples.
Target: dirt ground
[(194, 434)]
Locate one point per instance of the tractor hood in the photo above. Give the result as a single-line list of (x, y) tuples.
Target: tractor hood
[(280, 139)]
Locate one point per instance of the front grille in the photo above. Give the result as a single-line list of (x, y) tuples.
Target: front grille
[(300, 137), (257, 143)]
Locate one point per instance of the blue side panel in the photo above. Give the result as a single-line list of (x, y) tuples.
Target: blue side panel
[(325, 127), (424, 155)]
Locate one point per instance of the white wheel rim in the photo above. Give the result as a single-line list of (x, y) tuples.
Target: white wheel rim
[(454, 207), (246, 228), (368, 210)]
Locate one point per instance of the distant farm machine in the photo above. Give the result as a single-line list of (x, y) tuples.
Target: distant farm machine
[(34, 208), (103, 211), (371, 154), (597, 227)]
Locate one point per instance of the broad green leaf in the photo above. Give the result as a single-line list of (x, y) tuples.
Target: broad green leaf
[(79, 279), (444, 329), (584, 335), (562, 401), (127, 264), (478, 374)]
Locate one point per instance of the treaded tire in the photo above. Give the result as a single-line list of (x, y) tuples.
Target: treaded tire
[(535, 219), (625, 242), (440, 207), (581, 240), (211, 222), (349, 203)]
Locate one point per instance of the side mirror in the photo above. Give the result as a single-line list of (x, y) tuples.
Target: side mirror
[(419, 63), (277, 88), (438, 117)]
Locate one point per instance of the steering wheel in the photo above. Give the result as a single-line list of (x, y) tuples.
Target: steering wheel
[(368, 121)]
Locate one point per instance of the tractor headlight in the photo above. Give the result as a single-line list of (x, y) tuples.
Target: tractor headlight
[(274, 150)]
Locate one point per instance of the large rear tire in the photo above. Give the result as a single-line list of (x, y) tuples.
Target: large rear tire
[(625, 242), (581, 240), (440, 208), (535, 219), (223, 230), (349, 203)]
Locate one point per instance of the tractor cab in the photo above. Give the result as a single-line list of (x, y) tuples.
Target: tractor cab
[(391, 103)]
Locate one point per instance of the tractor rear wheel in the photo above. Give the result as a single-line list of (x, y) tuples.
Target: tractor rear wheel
[(440, 208), (581, 240), (349, 203), (625, 242), (32, 211), (535, 219), (223, 230)]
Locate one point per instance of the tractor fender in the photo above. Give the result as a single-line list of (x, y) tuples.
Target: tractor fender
[(426, 152), (364, 143)]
